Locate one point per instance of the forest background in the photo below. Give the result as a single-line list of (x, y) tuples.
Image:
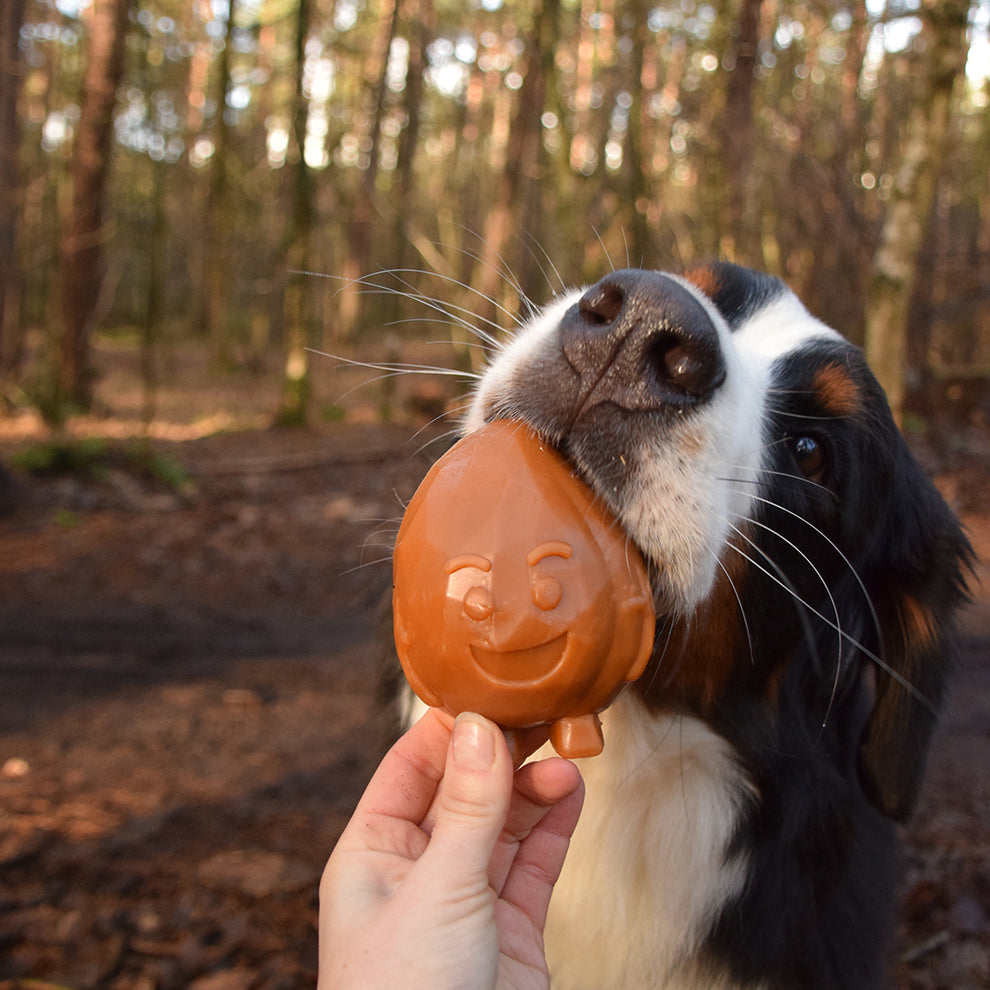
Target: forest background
[(173, 173), (201, 199)]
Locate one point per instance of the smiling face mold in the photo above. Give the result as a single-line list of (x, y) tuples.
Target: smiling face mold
[(516, 594)]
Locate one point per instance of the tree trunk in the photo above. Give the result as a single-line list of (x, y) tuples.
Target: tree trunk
[(296, 384), (422, 25), (353, 309), (634, 178), (83, 234), (912, 196), (11, 17), (515, 210), (216, 280), (852, 66), (743, 242), (154, 316)]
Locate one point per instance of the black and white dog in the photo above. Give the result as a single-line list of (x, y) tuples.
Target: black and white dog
[(738, 830)]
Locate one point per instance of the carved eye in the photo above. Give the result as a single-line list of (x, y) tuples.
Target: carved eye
[(809, 455), (547, 592), (478, 603)]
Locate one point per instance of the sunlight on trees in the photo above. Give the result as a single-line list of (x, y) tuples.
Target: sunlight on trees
[(493, 152)]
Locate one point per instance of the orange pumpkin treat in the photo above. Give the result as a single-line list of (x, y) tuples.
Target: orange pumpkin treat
[(517, 595)]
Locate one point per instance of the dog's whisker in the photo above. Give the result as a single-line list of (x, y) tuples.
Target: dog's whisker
[(439, 438), (451, 312), (544, 257), (819, 488), (390, 372), (379, 546), (814, 417), (365, 564), (758, 478), (625, 245), (634, 770), (657, 661), (386, 529), (442, 438), (895, 675), (828, 591), (380, 520), (867, 599), (742, 609), (469, 320), (380, 539), (397, 368), (441, 305), (780, 578), (485, 342), (504, 271), (604, 247), (771, 390)]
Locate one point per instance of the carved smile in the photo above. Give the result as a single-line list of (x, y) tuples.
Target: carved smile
[(521, 666)]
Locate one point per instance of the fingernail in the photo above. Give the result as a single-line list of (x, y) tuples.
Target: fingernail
[(474, 746)]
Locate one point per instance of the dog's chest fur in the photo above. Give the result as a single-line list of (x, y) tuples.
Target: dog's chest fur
[(662, 804)]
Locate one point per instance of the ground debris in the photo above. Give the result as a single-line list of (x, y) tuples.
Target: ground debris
[(188, 714)]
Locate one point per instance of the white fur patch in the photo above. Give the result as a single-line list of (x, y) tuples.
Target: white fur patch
[(694, 487), (779, 328), (647, 869), (513, 357)]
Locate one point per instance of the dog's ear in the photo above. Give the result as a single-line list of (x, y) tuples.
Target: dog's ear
[(917, 593)]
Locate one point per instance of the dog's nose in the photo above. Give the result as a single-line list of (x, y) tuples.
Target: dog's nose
[(641, 340)]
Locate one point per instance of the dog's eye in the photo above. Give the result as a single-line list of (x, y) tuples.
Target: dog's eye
[(809, 455)]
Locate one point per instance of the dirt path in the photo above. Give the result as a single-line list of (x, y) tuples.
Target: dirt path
[(188, 713)]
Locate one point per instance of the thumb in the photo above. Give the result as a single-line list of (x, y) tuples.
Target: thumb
[(473, 800)]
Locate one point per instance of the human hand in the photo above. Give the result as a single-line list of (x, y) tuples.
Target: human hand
[(443, 876)]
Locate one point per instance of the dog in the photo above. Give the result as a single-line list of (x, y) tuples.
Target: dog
[(739, 830)]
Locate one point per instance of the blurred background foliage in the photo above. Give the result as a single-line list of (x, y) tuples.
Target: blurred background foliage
[(174, 172)]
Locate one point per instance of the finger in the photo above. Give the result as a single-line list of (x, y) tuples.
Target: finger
[(522, 743), (406, 782), (540, 858), (548, 781), (472, 802), (537, 788)]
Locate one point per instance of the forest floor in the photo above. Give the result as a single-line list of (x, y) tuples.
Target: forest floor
[(188, 710)]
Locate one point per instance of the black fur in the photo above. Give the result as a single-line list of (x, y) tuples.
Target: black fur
[(836, 748)]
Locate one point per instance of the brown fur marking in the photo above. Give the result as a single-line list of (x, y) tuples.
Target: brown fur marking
[(837, 391)]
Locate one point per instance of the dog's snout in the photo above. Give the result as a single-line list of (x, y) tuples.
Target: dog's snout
[(642, 341)]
